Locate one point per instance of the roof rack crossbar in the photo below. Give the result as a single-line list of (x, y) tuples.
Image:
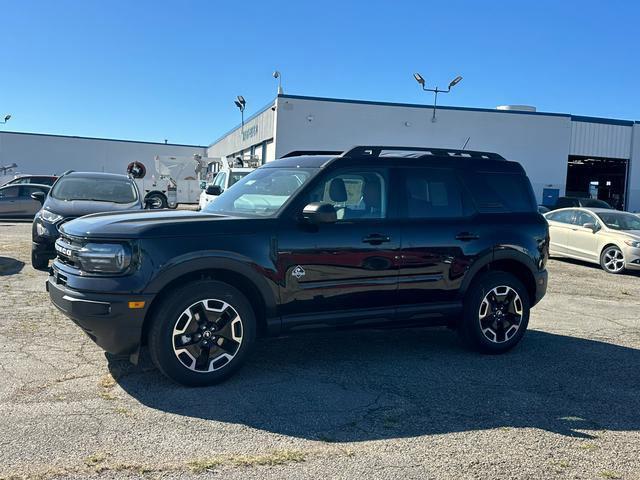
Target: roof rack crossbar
[(376, 151)]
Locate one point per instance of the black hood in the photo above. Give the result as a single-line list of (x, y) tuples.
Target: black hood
[(158, 223), (78, 208)]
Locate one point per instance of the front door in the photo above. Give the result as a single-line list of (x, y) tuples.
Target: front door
[(346, 271)]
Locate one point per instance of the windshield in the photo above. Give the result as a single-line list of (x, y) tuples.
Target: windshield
[(236, 176), (95, 189), (620, 220), (261, 193)]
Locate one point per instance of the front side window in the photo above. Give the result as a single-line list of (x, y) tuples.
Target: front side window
[(583, 217), (355, 194), (220, 179), (236, 176), (431, 193), (95, 189), (262, 193)]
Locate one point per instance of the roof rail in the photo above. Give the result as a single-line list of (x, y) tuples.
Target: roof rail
[(377, 151), (298, 153)]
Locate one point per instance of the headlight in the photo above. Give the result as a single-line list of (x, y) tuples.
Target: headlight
[(104, 257), (41, 229), (633, 243), (50, 216)]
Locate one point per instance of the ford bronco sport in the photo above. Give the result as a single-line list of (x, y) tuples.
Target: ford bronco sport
[(375, 236)]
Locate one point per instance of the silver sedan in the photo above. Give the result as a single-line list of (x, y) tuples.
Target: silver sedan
[(597, 235), (16, 201)]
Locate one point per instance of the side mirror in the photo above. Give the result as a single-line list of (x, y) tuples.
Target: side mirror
[(318, 212), (593, 226), (39, 196), (214, 190)]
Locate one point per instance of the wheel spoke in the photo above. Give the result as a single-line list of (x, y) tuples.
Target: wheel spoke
[(202, 361)]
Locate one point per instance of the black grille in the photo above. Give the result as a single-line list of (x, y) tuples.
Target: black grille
[(66, 247)]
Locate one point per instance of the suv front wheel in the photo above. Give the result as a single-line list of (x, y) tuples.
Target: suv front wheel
[(496, 313), (202, 333)]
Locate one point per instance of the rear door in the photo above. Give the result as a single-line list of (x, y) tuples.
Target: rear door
[(441, 238), (560, 224), (582, 242)]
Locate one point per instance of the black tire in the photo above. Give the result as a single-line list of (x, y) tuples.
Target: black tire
[(160, 197), (481, 320), (38, 262), (612, 260), (170, 357)]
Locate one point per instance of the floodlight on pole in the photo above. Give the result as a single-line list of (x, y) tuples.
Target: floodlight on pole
[(436, 90), (241, 103)]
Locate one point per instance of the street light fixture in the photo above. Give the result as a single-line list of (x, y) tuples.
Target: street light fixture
[(6, 119), (436, 90), (241, 104), (278, 76)]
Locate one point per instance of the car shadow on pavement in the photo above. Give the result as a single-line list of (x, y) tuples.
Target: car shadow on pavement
[(368, 385), (10, 266)]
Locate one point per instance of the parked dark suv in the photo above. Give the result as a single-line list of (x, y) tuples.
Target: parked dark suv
[(376, 236)]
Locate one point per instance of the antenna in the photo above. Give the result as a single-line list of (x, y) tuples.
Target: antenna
[(465, 143)]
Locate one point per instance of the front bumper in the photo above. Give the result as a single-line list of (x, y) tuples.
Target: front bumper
[(541, 279), (105, 318), (631, 258)]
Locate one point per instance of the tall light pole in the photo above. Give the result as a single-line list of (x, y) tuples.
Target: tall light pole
[(241, 104), (5, 168), (278, 76), (436, 90)]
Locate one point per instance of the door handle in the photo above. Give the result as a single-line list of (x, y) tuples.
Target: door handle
[(467, 236), (376, 239)]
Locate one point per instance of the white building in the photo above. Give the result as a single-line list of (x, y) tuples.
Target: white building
[(562, 153), (55, 154)]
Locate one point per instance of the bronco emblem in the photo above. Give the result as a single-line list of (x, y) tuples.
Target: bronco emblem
[(298, 272)]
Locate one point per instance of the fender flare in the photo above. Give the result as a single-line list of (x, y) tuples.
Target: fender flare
[(217, 260), (500, 253)]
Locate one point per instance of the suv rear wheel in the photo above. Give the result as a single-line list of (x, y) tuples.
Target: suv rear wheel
[(202, 333), (496, 313)]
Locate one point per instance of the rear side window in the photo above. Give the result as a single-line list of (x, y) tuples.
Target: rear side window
[(495, 192), (431, 193), (565, 216)]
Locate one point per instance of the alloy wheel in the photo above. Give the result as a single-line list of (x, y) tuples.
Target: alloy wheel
[(613, 260), (207, 335), (500, 314)]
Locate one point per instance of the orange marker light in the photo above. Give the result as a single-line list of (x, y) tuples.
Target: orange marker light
[(135, 305)]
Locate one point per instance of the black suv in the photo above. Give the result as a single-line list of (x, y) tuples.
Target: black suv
[(376, 236)]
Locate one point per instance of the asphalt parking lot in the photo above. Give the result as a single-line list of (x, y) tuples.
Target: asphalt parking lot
[(376, 404)]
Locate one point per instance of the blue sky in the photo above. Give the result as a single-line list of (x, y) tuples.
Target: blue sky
[(150, 70)]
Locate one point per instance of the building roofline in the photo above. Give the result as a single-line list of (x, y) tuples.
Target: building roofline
[(577, 118), (229, 132), (102, 139)]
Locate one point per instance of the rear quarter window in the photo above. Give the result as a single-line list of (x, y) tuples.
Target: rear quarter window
[(499, 192)]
